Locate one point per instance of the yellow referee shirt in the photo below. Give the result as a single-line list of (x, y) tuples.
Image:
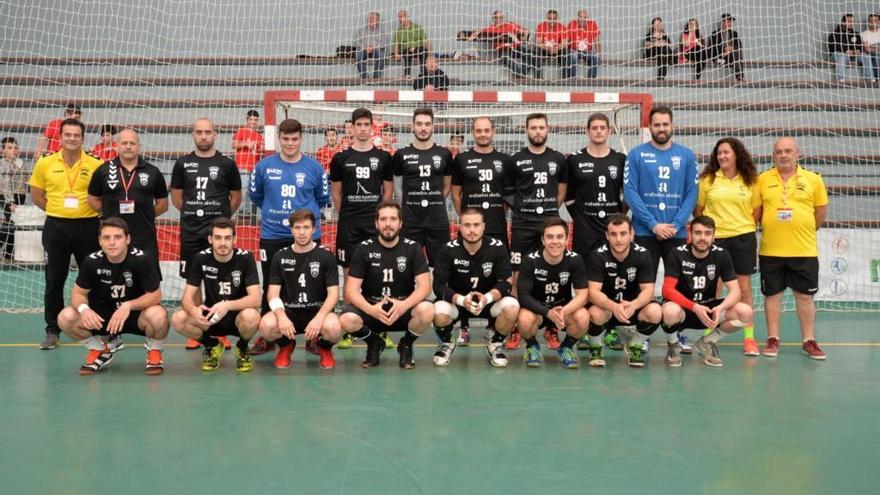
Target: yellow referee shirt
[(730, 202), (66, 187), (788, 222)]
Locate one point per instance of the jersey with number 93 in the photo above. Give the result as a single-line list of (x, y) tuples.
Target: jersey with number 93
[(223, 281), (304, 277), (621, 279), (388, 271), (550, 285)]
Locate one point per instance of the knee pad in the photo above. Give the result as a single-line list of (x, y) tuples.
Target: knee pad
[(447, 309), (498, 307)]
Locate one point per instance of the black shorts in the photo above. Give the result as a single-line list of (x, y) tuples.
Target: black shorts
[(401, 325), (691, 320), (524, 239), (130, 326), (585, 241), (348, 238), (189, 246), (800, 274), (431, 238), (659, 249), (485, 314), (300, 318), (225, 326), (744, 251), (614, 323)]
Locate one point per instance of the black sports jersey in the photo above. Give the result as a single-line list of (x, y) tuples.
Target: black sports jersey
[(304, 277), (223, 281), (621, 279), (541, 286), (111, 284), (481, 177), (456, 271), (362, 174), (533, 181), (423, 173), (388, 271), (206, 183), (596, 187), (144, 185), (698, 277)]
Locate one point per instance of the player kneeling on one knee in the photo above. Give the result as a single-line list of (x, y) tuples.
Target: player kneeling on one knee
[(473, 274), (386, 288), (117, 291), (689, 289), (303, 290), (621, 292), (552, 290), (232, 292)]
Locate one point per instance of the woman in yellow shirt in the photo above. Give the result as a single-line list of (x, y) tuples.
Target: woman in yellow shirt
[(727, 194)]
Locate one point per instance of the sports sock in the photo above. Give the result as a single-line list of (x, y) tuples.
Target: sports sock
[(671, 335), (568, 341), (445, 334), (714, 336), (324, 344), (283, 341), (497, 338), (93, 343), (635, 340), (596, 340), (595, 330), (749, 332), (407, 339), (532, 342), (154, 344), (706, 331), (242, 344), (208, 340)]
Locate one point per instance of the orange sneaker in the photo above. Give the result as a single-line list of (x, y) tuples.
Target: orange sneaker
[(282, 359), (513, 341), (552, 338), (328, 362), (225, 341), (750, 347), (96, 360), (192, 344), (155, 365)]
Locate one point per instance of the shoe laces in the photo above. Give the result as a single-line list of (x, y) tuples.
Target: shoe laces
[(154, 356)]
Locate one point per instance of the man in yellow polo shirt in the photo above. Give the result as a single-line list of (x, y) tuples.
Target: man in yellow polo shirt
[(59, 185), (794, 203)]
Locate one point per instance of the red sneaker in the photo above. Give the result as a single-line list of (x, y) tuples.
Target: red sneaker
[(328, 362), (282, 359), (312, 347), (513, 341), (552, 339), (192, 344), (750, 347), (772, 347), (155, 365), (225, 341), (812, 350), (261, 346)]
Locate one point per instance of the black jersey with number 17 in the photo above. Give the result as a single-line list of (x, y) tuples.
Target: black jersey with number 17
[(698, 277), (596, 187), (621, 279), (111, 284), (363, 175), (224, 281), (533, 181), (481, 177), (423, 173), (388, 271), (206, 183), (304, 277)]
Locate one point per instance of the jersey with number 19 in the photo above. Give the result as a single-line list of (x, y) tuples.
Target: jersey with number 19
[(697, 278)]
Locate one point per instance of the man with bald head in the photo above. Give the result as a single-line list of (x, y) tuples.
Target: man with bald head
[(794, 203), (133, 189)]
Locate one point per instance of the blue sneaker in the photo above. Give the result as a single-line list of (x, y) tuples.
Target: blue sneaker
[(533, 357), (568, 359), (686, 347)]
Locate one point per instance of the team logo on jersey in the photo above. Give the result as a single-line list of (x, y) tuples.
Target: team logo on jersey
[(631, 273), (401, 263), (104, 272), (710, 272), (213, 172), (314, 268), (236, 278), (487, 269), (551, 167), (300, 179), (437, 161), (374, 163), (612, 171), (498, 166), (144, 178), (676, 162), (563, 278), (129, 281)]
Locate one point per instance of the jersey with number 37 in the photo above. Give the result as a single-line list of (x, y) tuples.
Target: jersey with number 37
[(111, 284)]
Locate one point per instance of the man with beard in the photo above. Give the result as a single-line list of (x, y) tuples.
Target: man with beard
[(228, 305), (621, 289), (690, 289), (660, 186), (386, 290), (552, 288), (205, 185), (535, 187), (422, 177), (473, 274), (303, 290)]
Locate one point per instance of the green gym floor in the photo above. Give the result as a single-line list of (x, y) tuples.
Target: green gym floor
[(787, 425)]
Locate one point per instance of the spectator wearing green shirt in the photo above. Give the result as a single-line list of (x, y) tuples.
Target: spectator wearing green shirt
[(410, 42)]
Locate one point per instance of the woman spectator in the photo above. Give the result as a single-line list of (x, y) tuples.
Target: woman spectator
[(691, 48), (659, 47)]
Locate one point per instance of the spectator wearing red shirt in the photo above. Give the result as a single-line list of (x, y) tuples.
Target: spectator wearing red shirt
[(248, 142), (454, 146), (106, 148), (345, 142), (331, 146), (583, 34), (507, 37), (552, 45), (50, 141)]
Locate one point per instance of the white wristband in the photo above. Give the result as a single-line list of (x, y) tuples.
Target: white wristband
[(459, 300), (489, 298), (82, 308), (276, 304)]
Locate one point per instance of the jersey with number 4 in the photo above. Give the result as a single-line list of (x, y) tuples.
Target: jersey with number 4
[(304, 277), (698, 277), (463, 272), (388, 271), (621, 280), (224, 281), (111, 284)]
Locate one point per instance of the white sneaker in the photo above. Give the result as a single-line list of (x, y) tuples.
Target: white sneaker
[(496, 354), (443, 354)]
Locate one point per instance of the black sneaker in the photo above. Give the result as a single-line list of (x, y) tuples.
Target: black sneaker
[(50, 341), (406, 356), (375, 346)]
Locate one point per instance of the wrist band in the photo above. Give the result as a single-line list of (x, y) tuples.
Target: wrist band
[(459, 300), (489, 298), (82, 308), (276, 304)]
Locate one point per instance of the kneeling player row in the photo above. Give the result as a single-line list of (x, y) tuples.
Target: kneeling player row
[(387, 289)]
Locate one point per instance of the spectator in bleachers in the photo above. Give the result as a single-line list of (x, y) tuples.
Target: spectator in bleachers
[(106, 147), (410, 43), (871, 42), (331, 146), (371, 42), (13, 188), (551, 37), (725, 46), (50, 141), (345, 142), (691, 48), (432, 77), (388, 141), (658, 47), (583, 34), (248, 142), (507, 39), (845, 45)]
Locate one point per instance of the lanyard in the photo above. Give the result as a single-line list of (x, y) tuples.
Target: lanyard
[(75, 170), (126, 185)]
